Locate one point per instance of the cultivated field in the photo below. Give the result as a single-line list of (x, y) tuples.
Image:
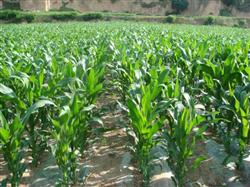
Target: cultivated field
[(98, 102)]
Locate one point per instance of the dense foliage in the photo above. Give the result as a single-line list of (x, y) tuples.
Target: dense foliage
[(179, 5), (174, 82), (16, 16), (229, 2)]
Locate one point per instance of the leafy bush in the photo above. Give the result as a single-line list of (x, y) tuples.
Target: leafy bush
[(64, 16), (29, 18), (8, 14), (25, 17), (228, 2), (16, 16), (225, 12), (179, 5), (210, 21), (242, 23), (90, 16), (170, 19), (66, 9)]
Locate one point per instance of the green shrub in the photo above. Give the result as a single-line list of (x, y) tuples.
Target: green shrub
[(225, 12), (8, 14), (67, 9), (26, 17), (91, 16), (170, 19), (63, 16), (29, 18), (210, 21), (242, 23), (16, 16)]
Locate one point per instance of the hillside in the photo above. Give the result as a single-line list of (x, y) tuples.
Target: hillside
[(238, 8)]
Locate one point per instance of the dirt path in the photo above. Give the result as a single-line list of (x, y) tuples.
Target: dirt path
[(109, 161)]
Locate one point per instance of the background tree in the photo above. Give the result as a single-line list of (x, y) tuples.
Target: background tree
[(179, 5), (228, 2)]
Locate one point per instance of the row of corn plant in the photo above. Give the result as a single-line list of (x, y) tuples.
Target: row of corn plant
[(47, 97), (191, 67)]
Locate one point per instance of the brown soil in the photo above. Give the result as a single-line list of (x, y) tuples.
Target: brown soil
[(106, 156), (205, 174)]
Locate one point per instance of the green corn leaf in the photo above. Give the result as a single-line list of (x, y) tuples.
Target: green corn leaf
[(207, 69), (4, 135), (245, 128), (163, 77), (97, 89), (22, 77), (198, 161), (7, 91), (16, 126), (177, 90), (65, 114), (237, 105), (135, 114), (41, 78), (75, 105), (248, 72), (34, 107), (89, 108), (56, 125), (3, 121)]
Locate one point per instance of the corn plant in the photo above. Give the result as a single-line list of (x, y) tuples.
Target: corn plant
[(242, 106), (237, 129), (94, 79), (28, 92), (64, 152), (222, 83), (181, 138), (11, 145), (124, 74), (32, 121), (70, 133), (144, 112)]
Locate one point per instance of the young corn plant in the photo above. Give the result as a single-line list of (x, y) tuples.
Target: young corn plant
[(221, 83), (218, 77), (124, 74), (94, 78), (143, 112), (238, 107), (34, 126), (64, 152), (28, 93), (181, 138), (242, 106), (11, 146), (10, 102), (70, 133)]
